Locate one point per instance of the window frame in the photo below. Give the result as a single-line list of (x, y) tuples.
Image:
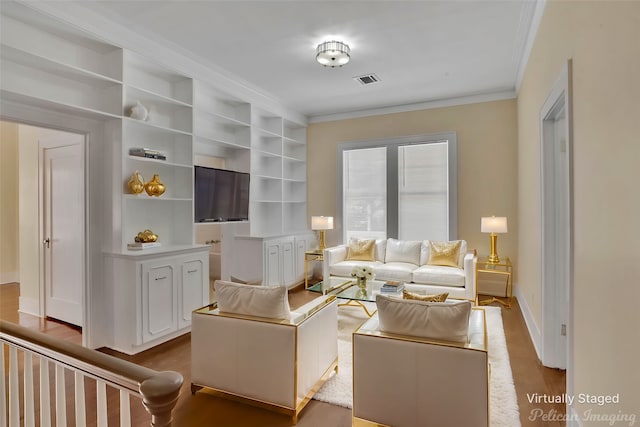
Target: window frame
[(392, 144)]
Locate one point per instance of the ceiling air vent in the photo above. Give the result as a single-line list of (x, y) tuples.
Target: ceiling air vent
[(367, 79)]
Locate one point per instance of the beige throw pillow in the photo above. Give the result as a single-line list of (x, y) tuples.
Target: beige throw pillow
[(361, 250), (252, 300), (430, 298), (435, 320), (444, 253)]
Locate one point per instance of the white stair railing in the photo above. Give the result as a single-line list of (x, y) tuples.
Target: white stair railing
[(158, 390)]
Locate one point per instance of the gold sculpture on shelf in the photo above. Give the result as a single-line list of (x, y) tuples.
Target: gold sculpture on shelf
[(155, 187), (146, 236), (136, 183)]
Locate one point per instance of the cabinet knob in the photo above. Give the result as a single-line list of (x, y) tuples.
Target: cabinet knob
[(161, 278)]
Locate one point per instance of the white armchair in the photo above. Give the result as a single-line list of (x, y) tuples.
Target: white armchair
[(408, 381), (267, 362)]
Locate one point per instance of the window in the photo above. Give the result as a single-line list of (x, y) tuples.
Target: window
[(364, 187), (402, 188)]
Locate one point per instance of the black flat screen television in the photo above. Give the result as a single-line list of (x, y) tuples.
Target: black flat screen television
[(220, 195)]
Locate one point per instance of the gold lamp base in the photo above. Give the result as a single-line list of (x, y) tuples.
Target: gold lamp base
[(321, 245), (493, 256)]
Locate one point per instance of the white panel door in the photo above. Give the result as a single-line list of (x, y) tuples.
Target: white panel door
[(272, 263), (301, 247), (159, 303), (63, 226), (191, 290), (288, 263)]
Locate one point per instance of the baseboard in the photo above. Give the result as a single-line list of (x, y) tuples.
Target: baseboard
[(9, 277), (534, 331), (29, 306)]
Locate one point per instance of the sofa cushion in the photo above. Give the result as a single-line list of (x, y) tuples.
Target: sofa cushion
[(361, 250), (439, 275), (424, 253), (344, 268), (444, 253), (400, 271), (436, 320), (419, 297), (403, 251), (380, 248), (260, 301)]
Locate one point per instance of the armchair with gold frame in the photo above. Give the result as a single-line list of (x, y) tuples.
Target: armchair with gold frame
[(277, 364), (406, 381)]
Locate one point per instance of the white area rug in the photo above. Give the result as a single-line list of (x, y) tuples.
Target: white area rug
[(504, 404)]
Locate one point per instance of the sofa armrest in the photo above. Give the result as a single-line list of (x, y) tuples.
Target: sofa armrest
[(332, 256), (470, 261)]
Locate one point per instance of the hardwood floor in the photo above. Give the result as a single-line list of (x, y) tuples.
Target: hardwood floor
[(203, 409)]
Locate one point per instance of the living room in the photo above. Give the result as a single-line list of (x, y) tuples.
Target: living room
[(499, 172)]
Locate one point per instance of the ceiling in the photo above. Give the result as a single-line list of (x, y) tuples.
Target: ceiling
[(422, 51)]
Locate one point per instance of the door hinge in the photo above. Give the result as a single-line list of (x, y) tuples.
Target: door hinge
[(563, 330)]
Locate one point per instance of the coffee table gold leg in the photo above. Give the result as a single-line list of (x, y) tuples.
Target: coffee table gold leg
[(355, 303)]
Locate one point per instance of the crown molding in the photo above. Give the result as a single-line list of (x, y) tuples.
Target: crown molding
[(165, 53), (536, 9), (427, 105)]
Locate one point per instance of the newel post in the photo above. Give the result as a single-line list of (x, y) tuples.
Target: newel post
[(160, 395)]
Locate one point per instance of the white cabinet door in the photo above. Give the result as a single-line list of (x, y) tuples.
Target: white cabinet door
[(272, 263), (288, 263), (190, 290), (302, 246), (159, 303)]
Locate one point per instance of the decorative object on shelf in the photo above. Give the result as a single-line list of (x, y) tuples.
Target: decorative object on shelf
[(148, 153), (155, 187), (362, 273), (322, 223), (138, 246), (493, 225), (146, 236), (139, 112), (136, 183), (333, 53)]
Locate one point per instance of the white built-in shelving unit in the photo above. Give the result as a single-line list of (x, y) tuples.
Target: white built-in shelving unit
[(169, 97)]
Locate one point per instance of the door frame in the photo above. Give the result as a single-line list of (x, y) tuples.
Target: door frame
[(42, 146), (96, 331), (553, 313)]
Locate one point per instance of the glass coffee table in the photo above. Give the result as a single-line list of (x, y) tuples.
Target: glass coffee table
[(345, 288)]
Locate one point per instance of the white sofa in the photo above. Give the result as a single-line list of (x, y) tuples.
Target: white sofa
[(409, 381), (276, 363), (407, 261)]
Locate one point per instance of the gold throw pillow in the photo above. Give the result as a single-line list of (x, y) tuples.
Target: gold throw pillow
[(429, 298), (361, 250), (444, 253)]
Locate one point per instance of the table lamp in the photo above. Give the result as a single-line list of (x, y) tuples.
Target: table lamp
[(321, 223), (493, 225)]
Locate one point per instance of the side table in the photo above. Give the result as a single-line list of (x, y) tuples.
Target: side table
[(315, 255), (499, 283)]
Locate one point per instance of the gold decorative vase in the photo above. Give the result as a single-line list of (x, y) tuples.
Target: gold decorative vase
[(136, 183), (146, 236), (155, 187), (361, 282)]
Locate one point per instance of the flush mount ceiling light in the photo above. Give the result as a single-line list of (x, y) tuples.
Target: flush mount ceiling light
[(333, 54)]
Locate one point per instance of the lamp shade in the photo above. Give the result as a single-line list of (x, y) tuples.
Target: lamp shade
[(493, 224), (322, 223)]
